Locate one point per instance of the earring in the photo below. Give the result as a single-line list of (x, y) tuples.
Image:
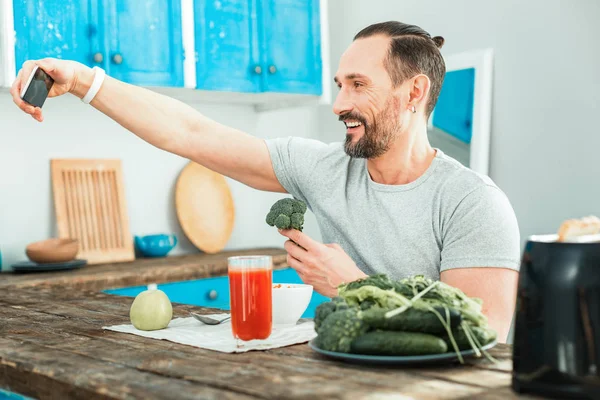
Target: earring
[(413, 109)]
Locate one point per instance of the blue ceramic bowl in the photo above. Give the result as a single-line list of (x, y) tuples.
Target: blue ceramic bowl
[(155, 245)]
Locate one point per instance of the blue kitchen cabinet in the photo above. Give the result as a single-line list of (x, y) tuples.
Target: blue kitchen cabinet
[(139, 42), (6, 395), (258, 46), (291, 46), (250, 46), (206, 292), (53, 28), (145, 44), (228, 57)]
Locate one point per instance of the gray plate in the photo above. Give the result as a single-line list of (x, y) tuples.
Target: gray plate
[(397, 360), (29, 266)]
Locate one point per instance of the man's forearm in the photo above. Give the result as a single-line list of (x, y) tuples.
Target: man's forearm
[(500, 319), (497, 287), (159, 120)]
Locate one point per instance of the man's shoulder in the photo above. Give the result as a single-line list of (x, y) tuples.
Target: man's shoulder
[(457, 181), (311, 145), (335, 149), (316, 152)]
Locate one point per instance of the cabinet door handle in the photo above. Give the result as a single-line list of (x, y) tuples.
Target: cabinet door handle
[(117, 59), (212, 294), (258, 70), (98, 58), (272, 69)]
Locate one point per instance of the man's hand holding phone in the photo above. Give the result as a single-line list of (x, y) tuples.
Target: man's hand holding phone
[(48, 77)]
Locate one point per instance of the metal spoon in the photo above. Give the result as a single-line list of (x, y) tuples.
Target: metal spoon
[(208, 320)]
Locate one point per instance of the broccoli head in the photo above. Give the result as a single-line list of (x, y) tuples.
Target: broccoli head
[(339, 329), (340, 303), (287, 214), (324, 309)]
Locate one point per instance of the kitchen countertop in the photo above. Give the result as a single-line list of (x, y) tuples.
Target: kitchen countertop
[(142, 271), (52, 345)]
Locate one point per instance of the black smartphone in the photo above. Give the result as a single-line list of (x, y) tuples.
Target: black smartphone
[(37, 88)]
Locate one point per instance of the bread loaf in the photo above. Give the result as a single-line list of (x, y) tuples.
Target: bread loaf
[(573, 228)]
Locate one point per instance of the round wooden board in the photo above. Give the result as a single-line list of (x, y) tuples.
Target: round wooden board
[(204, 207)]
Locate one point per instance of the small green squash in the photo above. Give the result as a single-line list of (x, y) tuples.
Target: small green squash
[(151, 310)]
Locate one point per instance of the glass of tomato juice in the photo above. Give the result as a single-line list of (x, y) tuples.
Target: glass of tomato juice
[(250, 295)]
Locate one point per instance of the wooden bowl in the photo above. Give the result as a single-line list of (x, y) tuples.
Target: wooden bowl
[(52, 250)]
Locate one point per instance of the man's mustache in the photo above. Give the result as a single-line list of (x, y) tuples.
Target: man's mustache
[(353, 116)]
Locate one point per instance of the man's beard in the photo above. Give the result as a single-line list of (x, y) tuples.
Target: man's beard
[(378, 135)]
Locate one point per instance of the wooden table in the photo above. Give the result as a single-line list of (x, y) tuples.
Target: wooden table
[(52, 346)]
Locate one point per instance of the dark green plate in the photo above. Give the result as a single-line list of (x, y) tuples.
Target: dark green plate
[(397, 360), (30, 266)]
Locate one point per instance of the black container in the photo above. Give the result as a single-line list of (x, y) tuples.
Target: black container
[(556, 350)]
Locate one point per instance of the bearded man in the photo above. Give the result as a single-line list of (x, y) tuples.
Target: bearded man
[(385, 200)]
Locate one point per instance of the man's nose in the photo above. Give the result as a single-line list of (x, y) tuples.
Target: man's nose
[(342, 105)]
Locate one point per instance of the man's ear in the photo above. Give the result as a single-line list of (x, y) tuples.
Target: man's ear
[(419, 87)]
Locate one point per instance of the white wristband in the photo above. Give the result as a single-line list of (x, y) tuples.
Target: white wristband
[(96, 84)]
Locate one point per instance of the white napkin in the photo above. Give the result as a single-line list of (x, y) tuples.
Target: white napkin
[(192, 332)]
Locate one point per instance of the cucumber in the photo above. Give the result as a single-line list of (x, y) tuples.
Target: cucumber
[(483, 335), (396, 343), (411, 320)]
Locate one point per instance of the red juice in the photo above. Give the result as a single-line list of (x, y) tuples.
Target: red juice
[(250, 297)]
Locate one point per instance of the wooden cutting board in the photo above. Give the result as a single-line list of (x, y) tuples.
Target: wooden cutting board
[(89, 200), (205, 207)]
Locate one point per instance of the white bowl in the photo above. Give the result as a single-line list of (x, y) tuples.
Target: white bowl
[(290, 300)]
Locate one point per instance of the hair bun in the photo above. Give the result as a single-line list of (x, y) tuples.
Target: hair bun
[(439, 41)]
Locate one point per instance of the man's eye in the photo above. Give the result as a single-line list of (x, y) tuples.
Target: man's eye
[(357, 84)]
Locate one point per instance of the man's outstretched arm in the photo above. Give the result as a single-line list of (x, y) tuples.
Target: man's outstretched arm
[(162, 121)]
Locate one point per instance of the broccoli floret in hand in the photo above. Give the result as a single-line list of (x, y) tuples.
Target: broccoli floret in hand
[(297, 221), (299, 206), (282, 221), (287, 214)]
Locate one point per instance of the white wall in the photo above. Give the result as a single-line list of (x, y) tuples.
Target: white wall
[(546, 91), (72, 129)]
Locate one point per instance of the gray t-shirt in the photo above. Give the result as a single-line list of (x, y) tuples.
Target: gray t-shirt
[(450, 217)]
